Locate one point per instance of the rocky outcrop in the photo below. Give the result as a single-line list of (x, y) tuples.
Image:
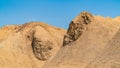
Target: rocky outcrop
[(42, 50), (29, 45), (77, 27), (87, 36), (44, 43)]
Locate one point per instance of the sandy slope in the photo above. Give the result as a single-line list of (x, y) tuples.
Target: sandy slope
[(110, 58)]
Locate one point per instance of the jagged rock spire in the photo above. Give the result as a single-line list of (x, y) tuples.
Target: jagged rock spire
[(76, 27)]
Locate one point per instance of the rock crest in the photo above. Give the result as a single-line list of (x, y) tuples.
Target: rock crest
[(77, 26)]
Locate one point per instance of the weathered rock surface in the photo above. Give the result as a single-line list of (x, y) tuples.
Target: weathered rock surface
[(77, 26)]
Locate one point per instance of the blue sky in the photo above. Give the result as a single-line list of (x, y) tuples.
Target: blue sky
[(54, 12)]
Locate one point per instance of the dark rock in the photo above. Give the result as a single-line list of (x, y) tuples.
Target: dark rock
[(76, 27), (41, 50)]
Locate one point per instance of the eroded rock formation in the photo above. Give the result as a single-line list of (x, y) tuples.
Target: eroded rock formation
[(42, 50), (43, 43), (77, 26), (29, 45)]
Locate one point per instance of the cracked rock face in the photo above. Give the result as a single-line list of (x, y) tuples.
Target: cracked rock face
[(76, 27), (43, 44), (42, 49)]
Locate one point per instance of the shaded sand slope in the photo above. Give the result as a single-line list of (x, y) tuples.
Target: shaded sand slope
[(110, 58)]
